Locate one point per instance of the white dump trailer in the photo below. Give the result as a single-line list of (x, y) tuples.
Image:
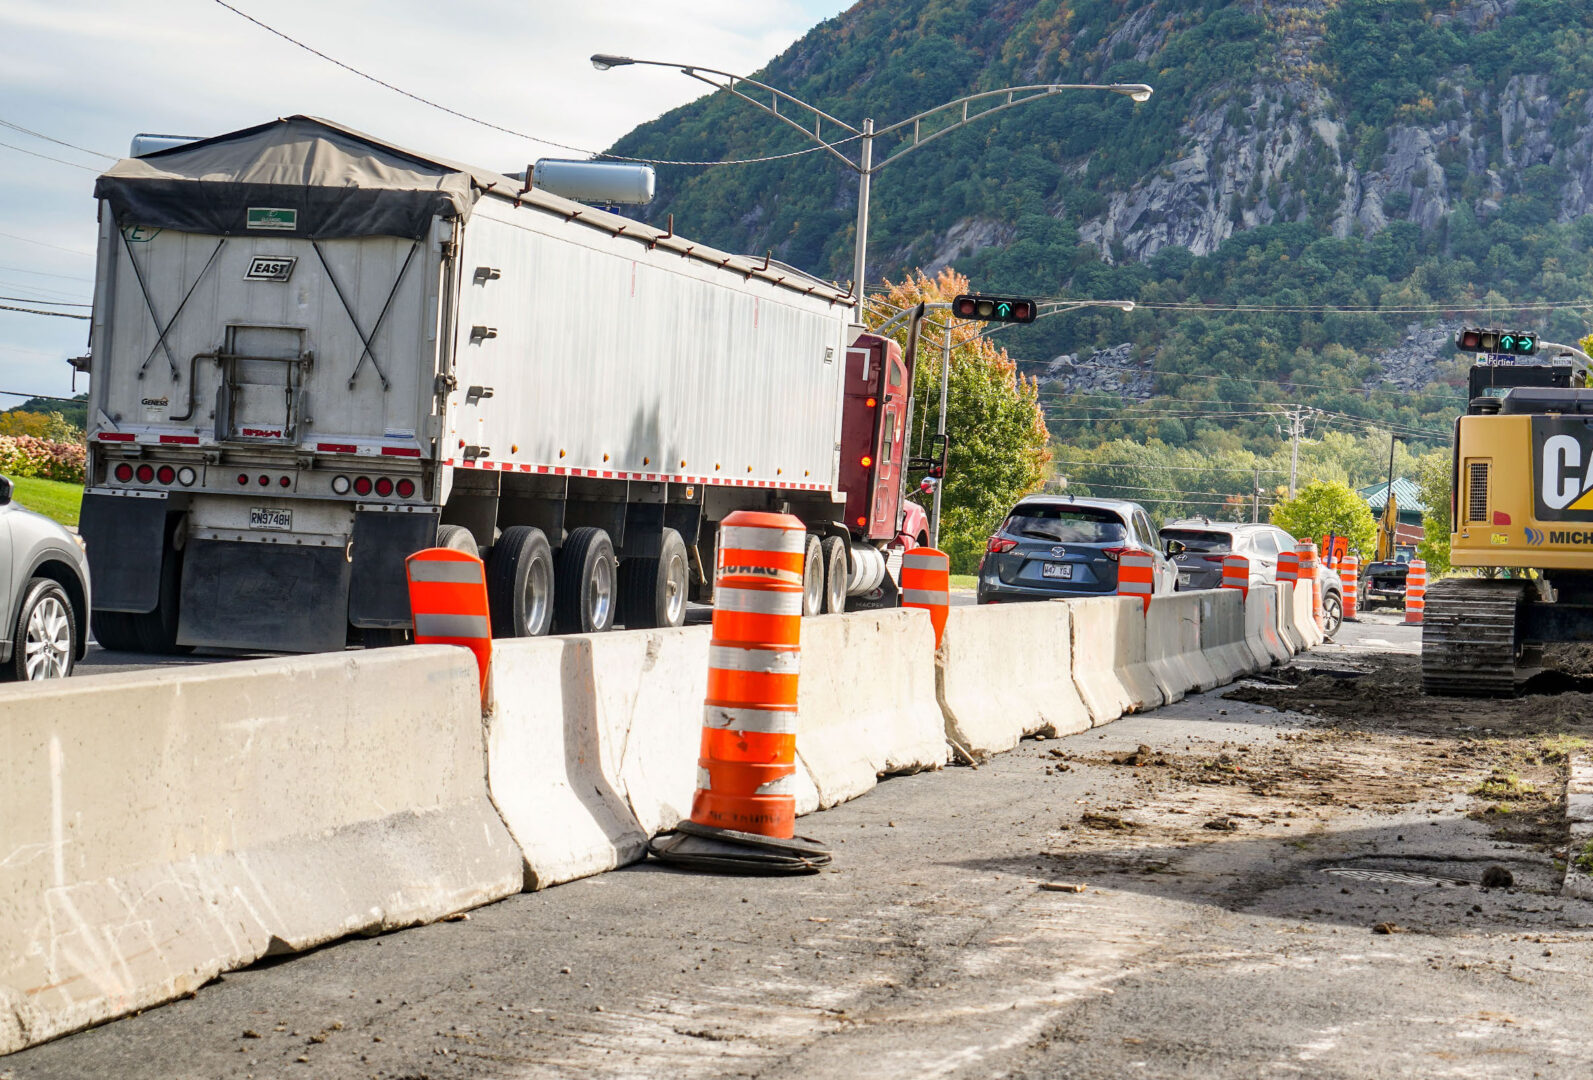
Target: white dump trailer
[(315, 353)]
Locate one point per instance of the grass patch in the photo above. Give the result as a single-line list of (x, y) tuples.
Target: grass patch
[(1556, 748), (52, 498), (1503, 786), (1584, 861), (965, 581)]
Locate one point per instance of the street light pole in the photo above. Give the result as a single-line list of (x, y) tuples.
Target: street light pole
[(973, 107), (940, 429)]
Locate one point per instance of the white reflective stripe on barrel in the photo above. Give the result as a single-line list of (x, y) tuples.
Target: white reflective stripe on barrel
[(780, 785), (757, 601), (463, 573), (919, 561), (452, 626), (746, 538), (769, 661), (765, 721), (768, 573), (926, 596)]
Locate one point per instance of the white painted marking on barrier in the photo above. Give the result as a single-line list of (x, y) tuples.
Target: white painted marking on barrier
[(57, 812)]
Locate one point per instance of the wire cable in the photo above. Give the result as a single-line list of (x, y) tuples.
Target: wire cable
[(47, 157), (50, 138), (510, 131), (40, 311), (1179, 468), (47, 303)]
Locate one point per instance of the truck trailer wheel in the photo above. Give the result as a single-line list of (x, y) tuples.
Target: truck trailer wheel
[(583, 583), (836, 574), (652, 591), (813, 577), (458, 538), (114, 631), (520, 583)]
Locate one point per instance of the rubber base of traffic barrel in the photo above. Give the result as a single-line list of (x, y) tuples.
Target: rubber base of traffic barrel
[(691, 846)]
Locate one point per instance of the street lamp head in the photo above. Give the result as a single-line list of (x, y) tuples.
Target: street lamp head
[(1137, 92), (603, 61)]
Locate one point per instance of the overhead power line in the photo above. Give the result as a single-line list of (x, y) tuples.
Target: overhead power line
[(499, 127), (47, 157), (48, 303), (1179, 468), (42, 397), (45, 273), (41, 311), (51, 138)]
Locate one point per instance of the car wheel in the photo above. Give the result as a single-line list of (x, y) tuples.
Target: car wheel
[(45, 643), (1332, 614)]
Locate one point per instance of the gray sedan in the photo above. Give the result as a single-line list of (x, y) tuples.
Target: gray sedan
[(44, 589)]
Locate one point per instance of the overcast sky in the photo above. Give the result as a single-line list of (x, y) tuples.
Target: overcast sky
[(95, 72)]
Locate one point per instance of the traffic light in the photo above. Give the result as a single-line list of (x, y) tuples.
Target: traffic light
[(1001, 309), (1508, 342)]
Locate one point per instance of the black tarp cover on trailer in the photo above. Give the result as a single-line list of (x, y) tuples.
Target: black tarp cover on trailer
[(298, 176)]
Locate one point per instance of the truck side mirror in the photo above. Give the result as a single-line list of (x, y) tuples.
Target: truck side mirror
[(6, 488)]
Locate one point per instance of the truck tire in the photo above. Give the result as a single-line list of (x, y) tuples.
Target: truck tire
[(44, 640), (458, 538), (156, 631), (113, 630), (583, 583), (652, 591), (813, 577), (520, 583), (836, 574)]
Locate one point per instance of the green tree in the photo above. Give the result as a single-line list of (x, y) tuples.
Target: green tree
[(997, 432), (1434, 477), (1327, 506)]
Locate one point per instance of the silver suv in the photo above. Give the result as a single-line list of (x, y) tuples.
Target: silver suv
[(44, 586)]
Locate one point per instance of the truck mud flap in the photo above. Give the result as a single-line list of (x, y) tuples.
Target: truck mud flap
[(379, 589), (264, 597), (125, 538)]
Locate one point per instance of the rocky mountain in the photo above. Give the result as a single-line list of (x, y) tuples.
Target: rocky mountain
[(1338, 169)]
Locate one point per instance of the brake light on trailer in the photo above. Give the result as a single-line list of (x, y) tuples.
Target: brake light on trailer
[(362, 485), (998, 545), (146, 473), (406, 488), (166, 474), (124, 472), (384, 487)]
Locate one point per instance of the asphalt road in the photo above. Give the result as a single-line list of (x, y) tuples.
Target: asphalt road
[(1232, 884)]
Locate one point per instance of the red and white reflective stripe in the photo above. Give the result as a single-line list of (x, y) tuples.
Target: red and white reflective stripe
[(180, 440), (1236, 573), (116, 436), (926, 584), (1136, 572), (1288, 566), (740, 538)]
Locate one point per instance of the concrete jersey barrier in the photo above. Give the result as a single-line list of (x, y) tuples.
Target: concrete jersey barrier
[(1109, 667), (159, 828), (1005, 671), (866, 703), (1285, 613), (1305, 626), (1172, 646), (1261, 627), (1222, 634)]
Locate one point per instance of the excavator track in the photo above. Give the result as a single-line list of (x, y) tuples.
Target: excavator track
[(1471, 646)]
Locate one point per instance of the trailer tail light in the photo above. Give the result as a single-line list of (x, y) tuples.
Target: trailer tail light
[(406, 488), (124, 472), (362, 485), (999, 545), (166, 474), (185, 476), (1116, 553), (146, 473), (265, 481), (384, 487), (285, 481), (866, 461), (340, 485), (243, 479)]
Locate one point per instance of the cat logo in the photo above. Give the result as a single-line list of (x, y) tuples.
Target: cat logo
[(1563, 453)]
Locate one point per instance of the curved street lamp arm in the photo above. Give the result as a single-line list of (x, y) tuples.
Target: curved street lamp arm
[(725, 80), (1011, 96)]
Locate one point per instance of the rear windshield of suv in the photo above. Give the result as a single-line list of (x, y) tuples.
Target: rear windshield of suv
[(1067, 524), (1198, 539)]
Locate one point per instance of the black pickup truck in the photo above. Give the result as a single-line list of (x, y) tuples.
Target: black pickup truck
[(1384, 582)]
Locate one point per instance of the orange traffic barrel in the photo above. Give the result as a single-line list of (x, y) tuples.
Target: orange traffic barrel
[(746, 769), (448, 600), (1309, 564), (1288, 566), (1136, 575), (1415, 591), (1236, 574), (1350, 582), (926, 583)]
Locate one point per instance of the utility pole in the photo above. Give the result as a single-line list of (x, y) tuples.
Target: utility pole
[(940, 429), (1296, 417), (1255, 499)]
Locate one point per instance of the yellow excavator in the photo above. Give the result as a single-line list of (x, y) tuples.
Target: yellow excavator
[(1522, 513)]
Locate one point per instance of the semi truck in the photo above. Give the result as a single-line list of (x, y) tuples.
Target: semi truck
[(314, 353)]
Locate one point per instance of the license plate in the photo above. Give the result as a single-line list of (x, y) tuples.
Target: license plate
[(1061, 571), (268, 517), (1183, 577)]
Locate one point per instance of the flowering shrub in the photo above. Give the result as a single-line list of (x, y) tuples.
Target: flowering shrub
[(26, 455)]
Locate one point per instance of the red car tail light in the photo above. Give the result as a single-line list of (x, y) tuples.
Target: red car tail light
[(1116, 553), (997, 545)]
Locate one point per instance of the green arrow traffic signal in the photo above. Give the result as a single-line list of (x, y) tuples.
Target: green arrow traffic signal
[(1507, 343), (1003, 310)]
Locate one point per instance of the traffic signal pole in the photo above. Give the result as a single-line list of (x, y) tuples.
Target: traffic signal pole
[(940, 429)]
